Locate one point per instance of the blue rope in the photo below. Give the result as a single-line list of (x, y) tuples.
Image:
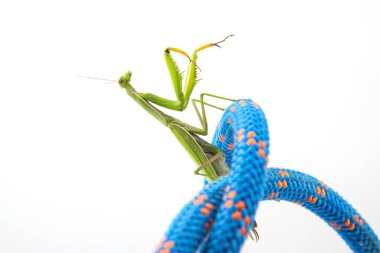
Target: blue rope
[(220, 216)]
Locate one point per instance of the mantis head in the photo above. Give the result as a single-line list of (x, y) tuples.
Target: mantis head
[(125, 79)]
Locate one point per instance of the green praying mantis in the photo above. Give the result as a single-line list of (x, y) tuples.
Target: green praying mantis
[(209, 158)]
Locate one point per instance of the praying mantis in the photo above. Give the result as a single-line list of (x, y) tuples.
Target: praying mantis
[(208, 158)]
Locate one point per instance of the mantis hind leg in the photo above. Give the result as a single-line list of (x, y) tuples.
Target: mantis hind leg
[(219, 166), (200, 170), (214, 159), (202, 115)]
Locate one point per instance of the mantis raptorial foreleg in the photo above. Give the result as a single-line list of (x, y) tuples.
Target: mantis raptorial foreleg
[(176, 77), (182, 94)]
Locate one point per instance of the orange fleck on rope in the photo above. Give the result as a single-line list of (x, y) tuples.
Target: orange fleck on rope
[(232, 194), (251, 142), (256, 105), (242, 103), (261, 153), (335, 225), (347, 223), (251, 134), (228, 203), (236, 215), (197, 202), (209, 206), (240, 205), (247, 220), (205, 211), (262, 144), (168, 245), (243, 231)]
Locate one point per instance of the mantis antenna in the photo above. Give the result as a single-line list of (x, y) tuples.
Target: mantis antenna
[(95, 78)]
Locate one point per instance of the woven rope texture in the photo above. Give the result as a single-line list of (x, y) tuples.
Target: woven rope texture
[(220, 216)]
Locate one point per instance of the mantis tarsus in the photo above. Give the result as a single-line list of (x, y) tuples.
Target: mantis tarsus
[(208, 157)]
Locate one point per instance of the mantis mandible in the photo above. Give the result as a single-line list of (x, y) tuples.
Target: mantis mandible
[(208, 157)]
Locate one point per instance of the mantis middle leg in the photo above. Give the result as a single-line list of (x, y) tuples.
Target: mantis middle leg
[(202, 115)]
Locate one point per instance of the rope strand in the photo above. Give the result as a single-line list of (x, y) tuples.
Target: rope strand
[(220, 216)]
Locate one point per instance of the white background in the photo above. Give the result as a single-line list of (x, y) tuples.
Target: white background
[(84, 169)]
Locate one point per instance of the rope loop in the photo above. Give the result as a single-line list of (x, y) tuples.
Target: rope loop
[(219, 217)]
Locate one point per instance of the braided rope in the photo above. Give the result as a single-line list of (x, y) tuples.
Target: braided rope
[(218, 219)]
